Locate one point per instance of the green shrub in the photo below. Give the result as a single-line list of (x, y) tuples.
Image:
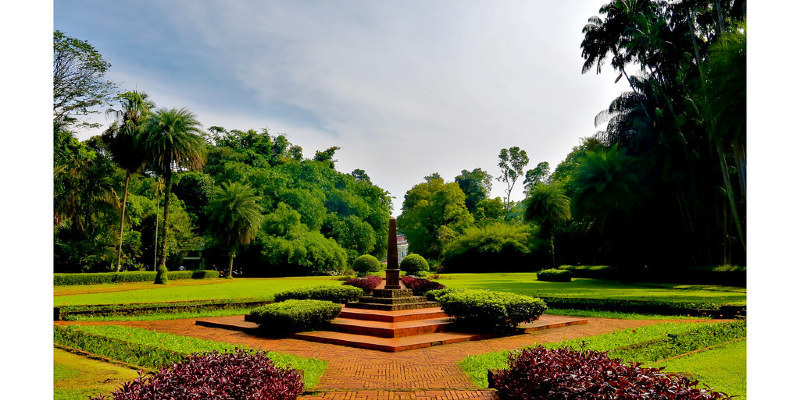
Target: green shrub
[(496, 247), (501, 312), (592, 271), (161, 275), (434, 295), (634, 306), (554, 275), (73, 313), (414, 264), (128, 276), (295, 315), (366, 264), (337, 294)]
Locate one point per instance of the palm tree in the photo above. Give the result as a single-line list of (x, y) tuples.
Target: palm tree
[(235, 217), (548, 207), (172, 139), (120, 140)]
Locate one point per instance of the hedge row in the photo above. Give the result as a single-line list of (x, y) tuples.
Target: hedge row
[(554, 275), (66, 313), (635, 306), (295, 315), (138, 354), (131, 276), (337, 294), (500, 312), (721, 275)]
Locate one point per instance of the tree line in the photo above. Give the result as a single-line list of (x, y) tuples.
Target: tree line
[(155, 184), (662, 187)]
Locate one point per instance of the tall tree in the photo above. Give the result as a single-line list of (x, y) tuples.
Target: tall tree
[(172, 139), (120, 140), (512, 161), (235, 217), (538, 175), (548, 207), (78, 79), (476, 185)]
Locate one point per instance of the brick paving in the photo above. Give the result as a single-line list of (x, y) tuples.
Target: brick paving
[(428, 373)]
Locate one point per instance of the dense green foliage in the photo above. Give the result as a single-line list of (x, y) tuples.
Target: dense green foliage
[(295, 315), (495, 247), (497, 311), (337, 294), (120, 277), (152, 349), (413, 264), (161, 275), (554, 275), (366, 263)]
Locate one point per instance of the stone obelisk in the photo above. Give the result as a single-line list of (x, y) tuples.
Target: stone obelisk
[(392, 268)]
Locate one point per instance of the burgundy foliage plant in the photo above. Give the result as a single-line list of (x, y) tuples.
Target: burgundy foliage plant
[(226, 376), (538, 373), (366, 283), (421, 286)]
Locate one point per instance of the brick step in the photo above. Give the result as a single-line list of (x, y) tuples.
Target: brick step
[(392, 300), (390, 329), (386, 344), (392, 316), (393, 307)]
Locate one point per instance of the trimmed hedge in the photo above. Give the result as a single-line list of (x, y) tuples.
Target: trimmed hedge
[(538, 373), (239, 375), (66, 313), (414, 264), (131, 276), (434, 295), (337, 294), (295, 315), (366, 264), (592, 271), (642, 306), (366, 284), (554, 275), (421, 286), (500, 312)]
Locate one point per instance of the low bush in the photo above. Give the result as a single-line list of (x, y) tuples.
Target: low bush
[(366, 284), (414, 264), (337, 294), (635, 306), (554, 275), (366, 264), (420, 286), (592, 271), (501, 312), (239, 375), (295, 315), (130, 276), (69, 313), (539, 373), (434, 295)]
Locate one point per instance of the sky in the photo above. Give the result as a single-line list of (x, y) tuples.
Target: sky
[(404, 88)]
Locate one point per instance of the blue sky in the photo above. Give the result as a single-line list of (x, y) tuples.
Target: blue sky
[(404, 88)]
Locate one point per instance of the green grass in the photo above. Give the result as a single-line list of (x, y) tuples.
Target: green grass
[(240, 288), (644, 344), (76, 377), (527, 284), (723, 368), (618, 315), (165, 342)]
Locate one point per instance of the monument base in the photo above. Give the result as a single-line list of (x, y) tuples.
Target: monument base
[(393, 279)]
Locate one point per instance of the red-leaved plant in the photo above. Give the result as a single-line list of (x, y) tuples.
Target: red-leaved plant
[(367, 283), (421, 286), (538, 373), (249, 375)]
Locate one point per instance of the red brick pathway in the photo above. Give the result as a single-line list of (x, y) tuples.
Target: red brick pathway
[(428, 373)]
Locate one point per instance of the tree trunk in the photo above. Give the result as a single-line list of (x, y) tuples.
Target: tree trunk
[(231, 256), (552, 248), (122, 220), (167, 182)]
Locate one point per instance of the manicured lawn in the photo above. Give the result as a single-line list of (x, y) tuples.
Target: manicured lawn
[(76, 377), (526, 283), (723, 368), (182, 290)]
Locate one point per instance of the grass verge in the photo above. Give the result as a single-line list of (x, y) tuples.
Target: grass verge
[(76, 377)]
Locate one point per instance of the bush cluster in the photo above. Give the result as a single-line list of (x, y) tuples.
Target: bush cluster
[(538, 373), (414, 264), (295, 315), (421, 286), (239, 375), (336, 294), (434, 295), (131, 276), (634, 306), (554, 275), (592, 271), (500, 312), (366, 284), (366, 264)]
